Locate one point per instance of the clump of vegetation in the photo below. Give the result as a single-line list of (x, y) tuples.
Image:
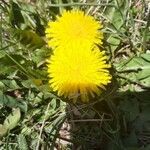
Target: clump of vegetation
[(33, 116)]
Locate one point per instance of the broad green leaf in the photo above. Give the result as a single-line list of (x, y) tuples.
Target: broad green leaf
[(11, 102), (8, 85), (113, 41), (12, 120), (3, 130), (32, 83), (26, 130), (136, 69), (116, 14)]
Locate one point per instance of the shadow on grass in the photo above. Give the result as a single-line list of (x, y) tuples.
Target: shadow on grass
[(119, 122)]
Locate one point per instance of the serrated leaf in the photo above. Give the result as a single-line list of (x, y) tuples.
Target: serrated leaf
[(12, 120)]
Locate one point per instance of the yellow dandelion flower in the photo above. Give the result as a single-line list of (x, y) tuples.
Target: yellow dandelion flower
[(78, 72), (72, 28)]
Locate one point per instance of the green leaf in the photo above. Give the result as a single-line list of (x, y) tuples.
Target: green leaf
[(8, 85), (29, 39), (12, 120), (116, 14), (39, 56), (22, 143), (11, 102), (113, 41), (3, 130), (26, 130), (136, 69), (12, 62), (7, 65), (16, 18)]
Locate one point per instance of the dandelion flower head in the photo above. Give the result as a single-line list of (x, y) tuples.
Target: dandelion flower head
[(78, 72), (72, 28)]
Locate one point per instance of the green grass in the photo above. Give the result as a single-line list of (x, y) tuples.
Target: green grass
[(33, 117)]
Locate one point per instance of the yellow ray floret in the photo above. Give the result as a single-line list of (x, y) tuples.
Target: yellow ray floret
[(78, 72), (73, 27)]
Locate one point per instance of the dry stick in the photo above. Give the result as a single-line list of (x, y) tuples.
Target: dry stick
[(41, 129)]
